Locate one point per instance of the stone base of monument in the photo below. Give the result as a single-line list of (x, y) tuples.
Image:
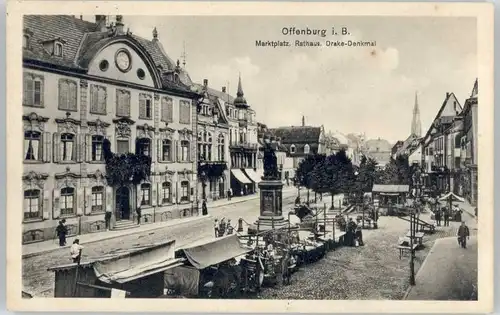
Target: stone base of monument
[(271, 217)]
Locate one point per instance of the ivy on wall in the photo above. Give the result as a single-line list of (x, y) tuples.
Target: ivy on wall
[(211, 170), (123, 169)]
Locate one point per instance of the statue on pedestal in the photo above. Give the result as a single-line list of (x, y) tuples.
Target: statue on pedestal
[(270, 164)]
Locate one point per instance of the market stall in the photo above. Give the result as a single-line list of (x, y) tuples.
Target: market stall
[(390, 197)]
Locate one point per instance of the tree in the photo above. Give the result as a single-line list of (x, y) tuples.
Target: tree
[(305, 170), (367, 174)]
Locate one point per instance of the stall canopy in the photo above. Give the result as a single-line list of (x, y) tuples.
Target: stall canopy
[(451, 196), (214, 251), (242, 178), (391, 188), (253, 175), (137, 264)]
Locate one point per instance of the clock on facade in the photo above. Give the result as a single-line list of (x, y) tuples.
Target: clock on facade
[(122, 60)]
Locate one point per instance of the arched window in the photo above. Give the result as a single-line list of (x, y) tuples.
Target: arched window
[(220, 147), (146, 194), (184, 150), (97, 199), (166, 193), (292, 148), (166, 150), (185, 191), (32, 146), (32, 204), (307, 148), (58, 49), (67, 147), (67, 201)]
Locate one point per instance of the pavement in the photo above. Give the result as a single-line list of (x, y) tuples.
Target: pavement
[(448, 273)]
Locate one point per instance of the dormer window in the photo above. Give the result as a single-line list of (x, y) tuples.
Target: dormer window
[(307, 149), (58, 49), (26, 41), (292, 148)]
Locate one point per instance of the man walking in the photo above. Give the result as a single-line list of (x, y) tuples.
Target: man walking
[(76, 251), (139, 214), (107, 219), (463, 235), (204, 209), (446, 214), (437, 216)]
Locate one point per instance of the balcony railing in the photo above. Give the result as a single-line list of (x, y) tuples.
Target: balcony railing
[(244, 145)]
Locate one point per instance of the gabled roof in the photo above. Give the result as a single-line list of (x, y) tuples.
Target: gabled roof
[(449, 97), (381, 144), (297, 135), (83, 39)]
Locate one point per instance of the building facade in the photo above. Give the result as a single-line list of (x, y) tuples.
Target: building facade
[(243, 142), (378, 149), (85, 82), (213, 146)]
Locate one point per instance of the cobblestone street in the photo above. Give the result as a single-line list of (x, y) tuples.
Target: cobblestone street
[(371, 272)]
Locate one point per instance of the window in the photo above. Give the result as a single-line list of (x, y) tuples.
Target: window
[(32, 204), (122, 146), (146, 194), (67, 201), (33, 90), (26, 41), (167, 109), (166, 150), (220, 148), (458, 141), (143, 147), (184, 112), (184, 191), (166, 193), (145, 106), (97, 143), (97, 199), (122, 103), (98, 99), (58, 49), (457, 162), (32, 146), (67, 147), (292, 148), (184, 150), (67, 95), (205, 146), (307, 149)]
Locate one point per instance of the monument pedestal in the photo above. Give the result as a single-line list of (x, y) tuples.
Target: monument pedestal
[(271, 213)]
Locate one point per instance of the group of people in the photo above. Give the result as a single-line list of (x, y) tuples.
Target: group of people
[(354, 234), (442, 214), (223, 228)]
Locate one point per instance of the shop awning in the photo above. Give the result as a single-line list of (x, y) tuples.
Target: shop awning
[(391, 188), (242, 178), (252, 175), (137, 264), (451, 196), (214, 251)]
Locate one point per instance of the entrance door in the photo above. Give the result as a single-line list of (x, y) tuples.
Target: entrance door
[(122, 203)]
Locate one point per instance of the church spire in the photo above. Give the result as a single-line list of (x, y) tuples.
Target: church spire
[(303, 121), (240, 96), (416, 125)]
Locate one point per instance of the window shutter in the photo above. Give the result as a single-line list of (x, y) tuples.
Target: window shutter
[(88, 148), (94, 99), (56, 154), (139, 195), (153, 149), (142, 106), (73, 92), (192, 151), (159, 148), (79, 147), (164, 109), (153, 194), (88, 201), (45, 204), (56, 210), (170, 110), (46, 146), (177, 148), (29, 89), (63, 95), (42, 89), (80, 201), (109, 198)]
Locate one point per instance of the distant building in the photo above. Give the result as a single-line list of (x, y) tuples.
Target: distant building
[(301, 141), (285, 162), (380, 150)]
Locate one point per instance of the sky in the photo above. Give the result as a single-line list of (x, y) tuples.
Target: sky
[(348, 89)]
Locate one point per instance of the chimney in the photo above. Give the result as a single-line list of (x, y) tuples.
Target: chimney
[(100, 20), (223, 89), (119, 24), (205, 83), (447, 94)]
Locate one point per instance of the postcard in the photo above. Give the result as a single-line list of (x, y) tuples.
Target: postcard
[(250, 157)]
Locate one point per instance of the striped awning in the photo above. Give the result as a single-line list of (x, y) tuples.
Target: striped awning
[(242, 178), (252, 175)]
